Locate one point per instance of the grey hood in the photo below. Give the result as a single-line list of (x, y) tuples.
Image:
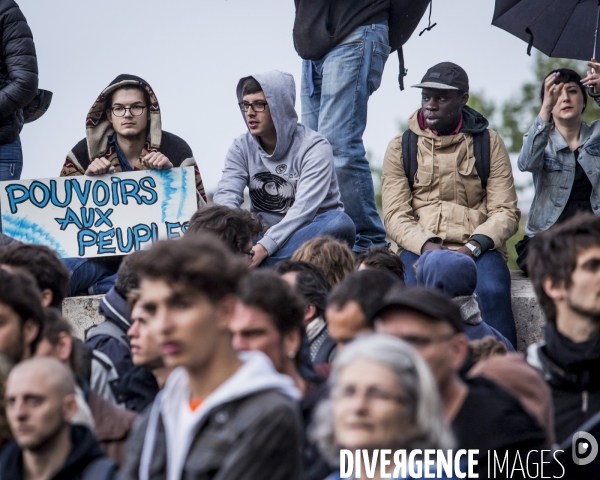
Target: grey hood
[(280, 91)]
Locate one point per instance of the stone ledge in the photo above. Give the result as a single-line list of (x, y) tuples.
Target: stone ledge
[(82, 312), (529, 319)]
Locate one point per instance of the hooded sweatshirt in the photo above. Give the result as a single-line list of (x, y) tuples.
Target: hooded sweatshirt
[(244, 439), (113, 307), (292, 185), (455, 274), (86, 449), (99, 140)]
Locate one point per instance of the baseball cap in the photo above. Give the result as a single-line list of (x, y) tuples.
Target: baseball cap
[(445, 76), (431, 303)]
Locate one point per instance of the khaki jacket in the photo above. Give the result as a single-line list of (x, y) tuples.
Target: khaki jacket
[(447, 201)]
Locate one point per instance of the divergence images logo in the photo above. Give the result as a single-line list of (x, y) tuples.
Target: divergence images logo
[(586, 450)]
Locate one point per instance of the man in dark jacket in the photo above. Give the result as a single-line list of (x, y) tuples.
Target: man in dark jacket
[(123, 134), (268, 319), (46, 445), (432, 324), (221, 415), (564, 266), (312, 284), (110, 337), (344, 45), (18, 85)]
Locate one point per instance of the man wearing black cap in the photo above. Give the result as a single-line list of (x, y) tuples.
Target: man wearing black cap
[(447, 183), (483, 416)]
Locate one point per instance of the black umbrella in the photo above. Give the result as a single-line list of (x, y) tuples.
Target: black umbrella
[(558, 28)]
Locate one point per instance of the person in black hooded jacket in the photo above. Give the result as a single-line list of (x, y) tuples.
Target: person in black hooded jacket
[(18, 85), (564, 266), (46, 445), (123, 134)]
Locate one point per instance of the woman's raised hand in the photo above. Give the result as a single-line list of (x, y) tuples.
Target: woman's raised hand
[(552, 92)]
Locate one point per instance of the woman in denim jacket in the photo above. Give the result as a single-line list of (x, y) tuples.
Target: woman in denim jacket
[(563, 153)]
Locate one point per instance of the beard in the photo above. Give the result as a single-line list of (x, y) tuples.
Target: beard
[(593, 314)]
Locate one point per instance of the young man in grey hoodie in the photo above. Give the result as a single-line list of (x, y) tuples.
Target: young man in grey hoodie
[(220, 415), (288, 169)]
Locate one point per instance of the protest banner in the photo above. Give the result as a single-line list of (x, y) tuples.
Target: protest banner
[(99, 216)]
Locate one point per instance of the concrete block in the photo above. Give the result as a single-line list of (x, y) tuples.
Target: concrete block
[(82, 312), (529, 319)]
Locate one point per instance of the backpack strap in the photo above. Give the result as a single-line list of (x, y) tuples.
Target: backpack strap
[(112, 330), (409, 155), (100, 469), (481, 149)]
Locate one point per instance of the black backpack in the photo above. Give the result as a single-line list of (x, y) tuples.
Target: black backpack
[(481, 147)]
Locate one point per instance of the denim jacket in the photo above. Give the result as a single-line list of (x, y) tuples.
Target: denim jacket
[(547, 155)]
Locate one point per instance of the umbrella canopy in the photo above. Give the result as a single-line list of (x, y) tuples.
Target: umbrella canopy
[(558, 28)]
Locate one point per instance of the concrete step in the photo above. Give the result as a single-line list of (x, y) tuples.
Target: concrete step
[(82, 312)]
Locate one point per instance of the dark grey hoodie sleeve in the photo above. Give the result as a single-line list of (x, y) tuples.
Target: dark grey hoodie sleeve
[(230, 191), (312, 188)]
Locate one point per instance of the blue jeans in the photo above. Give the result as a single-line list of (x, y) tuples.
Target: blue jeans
[(343, 80), (11, 160), (334, 222), (493, 290), (94, 276)]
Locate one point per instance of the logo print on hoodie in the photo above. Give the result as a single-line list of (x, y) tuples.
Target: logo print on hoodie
[(280, 169), (271, 193)]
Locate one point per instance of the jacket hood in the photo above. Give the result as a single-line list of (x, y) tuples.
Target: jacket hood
[(114, 307), (472, 122), (520, 379), (98, 128), (85, 450), (280, 91), (256, 374), (437, 269)]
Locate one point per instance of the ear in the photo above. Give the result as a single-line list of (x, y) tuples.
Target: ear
[(109, 115), (556, 291), (310, 312), (47, 297), (64, 347), (460, 347), (464, 99), (225, 309), (30, 332), (70, 407), (291, 343)]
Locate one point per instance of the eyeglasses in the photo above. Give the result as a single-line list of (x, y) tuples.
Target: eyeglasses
[(419, 341), (136, 110), (250, 254), (256, 106), (348, 392)]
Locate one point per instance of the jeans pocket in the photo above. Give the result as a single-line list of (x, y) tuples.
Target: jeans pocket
[(381, 52)]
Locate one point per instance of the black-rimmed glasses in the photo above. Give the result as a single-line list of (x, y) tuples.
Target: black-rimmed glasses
[(256, 106), (136, 110)]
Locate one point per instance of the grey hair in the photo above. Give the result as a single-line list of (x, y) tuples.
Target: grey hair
[(414, 378)]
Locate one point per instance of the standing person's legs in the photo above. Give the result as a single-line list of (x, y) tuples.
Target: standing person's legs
[(334, 223), (11, 160), (493, 291), (343, 81), (409, 259)]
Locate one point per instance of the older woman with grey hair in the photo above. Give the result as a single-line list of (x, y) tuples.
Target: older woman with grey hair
[(383, 397)]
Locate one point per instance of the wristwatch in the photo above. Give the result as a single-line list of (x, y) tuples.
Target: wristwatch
[(476, 251)]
